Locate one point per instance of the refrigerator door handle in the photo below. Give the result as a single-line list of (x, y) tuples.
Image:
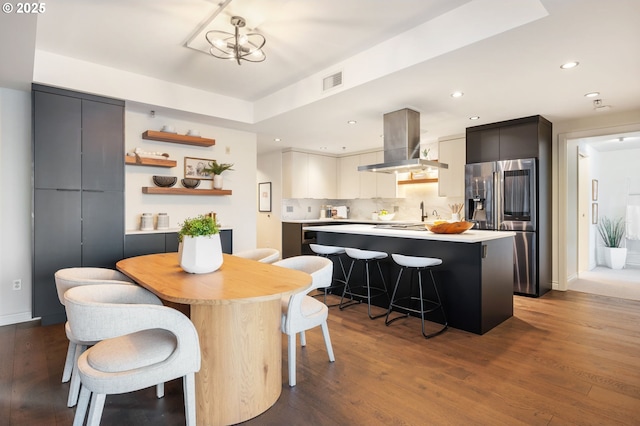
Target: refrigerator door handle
[(497, 201)]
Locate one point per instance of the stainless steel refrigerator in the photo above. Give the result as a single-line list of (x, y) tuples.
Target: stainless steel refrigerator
[(502, 196)]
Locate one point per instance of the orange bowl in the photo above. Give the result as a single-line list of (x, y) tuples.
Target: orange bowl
[(450, 227)]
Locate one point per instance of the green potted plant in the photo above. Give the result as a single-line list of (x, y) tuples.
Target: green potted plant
[(612, 233), (216, 170), (200, 250)]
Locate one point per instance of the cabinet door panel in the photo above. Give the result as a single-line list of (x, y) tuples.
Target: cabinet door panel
[(102, 146), (385, 182), (141, 244), (57, 245), (368, 180), (519, 141), (451, 180), (226, 239), (321, 176), (102, 228), (349, 177), (171, 242), (483, 145), (57, 146)]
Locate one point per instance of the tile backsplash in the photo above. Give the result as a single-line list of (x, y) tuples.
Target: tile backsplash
[(406, 208)]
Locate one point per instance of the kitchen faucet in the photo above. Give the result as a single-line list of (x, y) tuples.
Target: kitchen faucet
[(422, 215)]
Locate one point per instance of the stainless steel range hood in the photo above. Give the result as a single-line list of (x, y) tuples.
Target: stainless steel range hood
[(402, 145)]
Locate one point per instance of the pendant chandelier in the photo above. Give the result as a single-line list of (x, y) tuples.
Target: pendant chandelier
[(246, 47)]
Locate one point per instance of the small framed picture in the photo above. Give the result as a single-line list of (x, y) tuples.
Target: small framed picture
[(194, 168), (594, 190), (264, 197), (594, 213)]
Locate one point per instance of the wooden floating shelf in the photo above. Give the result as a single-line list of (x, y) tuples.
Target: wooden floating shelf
[(176, 138), (153, 162), (411, 181), (184, 191)]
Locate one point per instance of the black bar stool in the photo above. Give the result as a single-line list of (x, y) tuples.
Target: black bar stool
[(332, 253), (417, 265), (366, 256)]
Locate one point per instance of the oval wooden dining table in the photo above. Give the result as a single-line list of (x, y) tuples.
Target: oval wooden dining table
[(236, 311)]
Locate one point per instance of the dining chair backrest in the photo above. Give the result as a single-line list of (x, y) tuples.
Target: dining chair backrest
[(320, 269), (263, 255), (71, 277)]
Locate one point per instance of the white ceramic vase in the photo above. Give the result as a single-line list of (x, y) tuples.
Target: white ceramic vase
[(615, 257), (200, 255), (217, 181)]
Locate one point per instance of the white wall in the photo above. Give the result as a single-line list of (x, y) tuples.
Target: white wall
[(237, 211), (15, 206), (269, 224), (618, 172)]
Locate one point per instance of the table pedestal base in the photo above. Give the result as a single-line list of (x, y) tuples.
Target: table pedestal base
[(241, 346)]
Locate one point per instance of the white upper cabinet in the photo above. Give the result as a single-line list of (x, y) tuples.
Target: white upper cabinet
[(368, 180), (348, 177), (322, 176), (307, 175), (386, 186), (353, 184), (451, 181)]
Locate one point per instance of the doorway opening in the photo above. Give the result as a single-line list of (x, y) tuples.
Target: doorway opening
[(608, 180)]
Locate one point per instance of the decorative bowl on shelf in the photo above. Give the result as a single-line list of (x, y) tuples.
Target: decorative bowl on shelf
[(449, 227), (386, 216), (190, 183), (165, 181)]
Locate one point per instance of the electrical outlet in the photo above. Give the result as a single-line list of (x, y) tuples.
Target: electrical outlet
[(308, 209), (289, 209), (17, 284), (227, 150)]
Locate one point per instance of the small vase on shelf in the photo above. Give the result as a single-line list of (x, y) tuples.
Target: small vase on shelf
[(216, 170), (217, 181)]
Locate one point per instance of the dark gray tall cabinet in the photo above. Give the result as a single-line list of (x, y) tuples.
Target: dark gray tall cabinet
[(78, 197)]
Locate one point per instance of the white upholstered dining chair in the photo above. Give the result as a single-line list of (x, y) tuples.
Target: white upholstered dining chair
[(264, 255), (301, 312), (72, 277), (139, 345)]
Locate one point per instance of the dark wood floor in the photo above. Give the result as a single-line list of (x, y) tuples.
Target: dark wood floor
[(567, 358)]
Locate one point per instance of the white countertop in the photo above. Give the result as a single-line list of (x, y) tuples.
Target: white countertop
[(470, 236), (343, 221)]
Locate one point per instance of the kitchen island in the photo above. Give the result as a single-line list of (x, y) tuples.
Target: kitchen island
[(475, 279)]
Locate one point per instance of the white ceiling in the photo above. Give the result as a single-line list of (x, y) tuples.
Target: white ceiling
[(512, 73)]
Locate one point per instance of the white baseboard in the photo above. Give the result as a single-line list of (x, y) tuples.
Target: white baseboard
[(15, 318)]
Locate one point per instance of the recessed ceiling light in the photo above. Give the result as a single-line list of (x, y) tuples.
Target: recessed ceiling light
[(475, 117), (592, 94), (277, 140), (351, 122), (569, 65), (457, 94)]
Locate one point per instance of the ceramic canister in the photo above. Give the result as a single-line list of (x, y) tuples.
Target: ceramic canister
[(146, 222), (163, 221)]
